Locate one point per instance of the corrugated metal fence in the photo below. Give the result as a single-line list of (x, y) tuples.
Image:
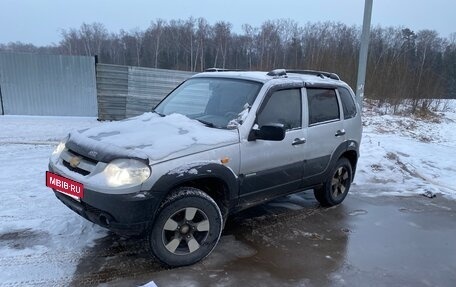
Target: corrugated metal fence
[(57, 85), (51, 85), (125, 91)]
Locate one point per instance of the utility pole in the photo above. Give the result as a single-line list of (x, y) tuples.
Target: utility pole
[(362, 63), (2, 111)]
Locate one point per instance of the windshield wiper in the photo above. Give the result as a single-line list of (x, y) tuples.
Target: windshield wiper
[(160, 114), (209, 124)]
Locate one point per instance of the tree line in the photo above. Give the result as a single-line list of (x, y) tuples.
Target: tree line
[(402, 64)]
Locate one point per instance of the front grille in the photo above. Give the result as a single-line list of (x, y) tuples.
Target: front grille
[(75, 169), (83, 156), (81, 164)]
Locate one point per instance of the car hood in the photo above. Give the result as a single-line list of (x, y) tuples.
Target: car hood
[(150, 136)]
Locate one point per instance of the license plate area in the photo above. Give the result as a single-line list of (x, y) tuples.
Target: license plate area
[(65, 185)]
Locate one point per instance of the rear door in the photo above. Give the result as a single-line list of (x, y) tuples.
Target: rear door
[(325, 131), (352, 116)]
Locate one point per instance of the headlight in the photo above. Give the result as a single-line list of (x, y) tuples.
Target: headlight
[(60, 147), (121, 172)]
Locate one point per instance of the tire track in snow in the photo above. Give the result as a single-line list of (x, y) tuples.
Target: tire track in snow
[(413, 171)]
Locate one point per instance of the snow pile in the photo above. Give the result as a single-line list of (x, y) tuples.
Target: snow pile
[(241, 117), (404, 155)]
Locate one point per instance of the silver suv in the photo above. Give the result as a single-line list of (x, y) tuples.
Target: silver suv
[(220, 142)]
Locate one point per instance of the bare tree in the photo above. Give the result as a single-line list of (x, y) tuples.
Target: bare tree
[(402, 64), (222, 31)]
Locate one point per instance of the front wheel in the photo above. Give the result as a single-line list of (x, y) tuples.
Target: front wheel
[(336, 186), (187, 228)]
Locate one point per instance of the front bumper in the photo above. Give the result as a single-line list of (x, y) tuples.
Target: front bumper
[(119, 215), (125, 214)]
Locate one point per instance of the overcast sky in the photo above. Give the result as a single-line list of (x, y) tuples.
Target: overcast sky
[(40, 21)]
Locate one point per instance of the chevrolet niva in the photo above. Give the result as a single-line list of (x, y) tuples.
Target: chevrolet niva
[(220, 142)]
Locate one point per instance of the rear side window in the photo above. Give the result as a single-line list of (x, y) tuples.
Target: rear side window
[(347, 103), (323, 105)]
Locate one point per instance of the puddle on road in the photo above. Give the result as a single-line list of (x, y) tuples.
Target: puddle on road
[(271, 243), (361, 241)]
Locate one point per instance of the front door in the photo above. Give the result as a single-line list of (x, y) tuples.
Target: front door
[(272, 168)]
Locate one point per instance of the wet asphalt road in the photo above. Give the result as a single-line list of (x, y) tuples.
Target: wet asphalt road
[(381, 241)]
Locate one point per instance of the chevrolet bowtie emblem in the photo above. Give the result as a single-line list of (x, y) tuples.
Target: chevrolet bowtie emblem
[(93, 153), (75, 161)]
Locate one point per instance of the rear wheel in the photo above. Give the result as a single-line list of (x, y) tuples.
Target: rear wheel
[(187, 228), (336, 186)]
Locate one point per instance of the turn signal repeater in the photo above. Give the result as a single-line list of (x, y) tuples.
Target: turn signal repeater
[(225, 160)]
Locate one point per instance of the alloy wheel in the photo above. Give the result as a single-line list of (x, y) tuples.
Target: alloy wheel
[(339, 182), (185, 231)]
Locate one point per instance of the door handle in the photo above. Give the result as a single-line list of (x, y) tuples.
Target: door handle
[(298, 141), (340, 133)]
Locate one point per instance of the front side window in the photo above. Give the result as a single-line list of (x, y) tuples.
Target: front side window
[(215, 101), (323, 105), (283, 107)]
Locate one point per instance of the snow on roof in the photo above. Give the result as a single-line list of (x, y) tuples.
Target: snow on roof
[(263, 77)]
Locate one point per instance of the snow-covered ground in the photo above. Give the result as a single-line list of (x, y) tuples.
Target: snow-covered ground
[(37, 232), (400, 156), (405, 155)]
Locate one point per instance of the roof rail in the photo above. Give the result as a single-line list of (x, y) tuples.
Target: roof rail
[(320, 74), (277, 73), (222, 70)]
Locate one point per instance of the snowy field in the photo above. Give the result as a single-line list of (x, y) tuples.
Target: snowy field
[(399, 156), (403, 155)]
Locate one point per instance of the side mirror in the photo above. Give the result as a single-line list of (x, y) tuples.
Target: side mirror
[(270, 132)]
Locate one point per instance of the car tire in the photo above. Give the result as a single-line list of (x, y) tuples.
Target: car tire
[(187, 228), (336, 186)]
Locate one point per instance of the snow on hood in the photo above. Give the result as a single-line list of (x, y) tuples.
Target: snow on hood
[(158, 138)]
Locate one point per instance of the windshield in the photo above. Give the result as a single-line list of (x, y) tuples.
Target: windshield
[(213, 101)]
